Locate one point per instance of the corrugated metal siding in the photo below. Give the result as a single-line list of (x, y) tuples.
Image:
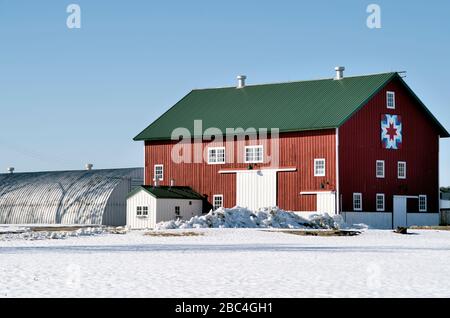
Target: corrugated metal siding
[(66, 197), (297, 149), (360, 147)]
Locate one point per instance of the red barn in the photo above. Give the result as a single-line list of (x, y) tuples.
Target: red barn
[(365, 147)]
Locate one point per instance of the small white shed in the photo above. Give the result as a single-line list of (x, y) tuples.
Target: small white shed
[(149, 205)]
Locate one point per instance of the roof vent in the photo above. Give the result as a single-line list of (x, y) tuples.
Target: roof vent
[(11, 170), (339, 72), (172, 182), (89, 166), (241, 81)]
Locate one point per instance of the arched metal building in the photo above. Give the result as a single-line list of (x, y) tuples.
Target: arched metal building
[(67, 197)]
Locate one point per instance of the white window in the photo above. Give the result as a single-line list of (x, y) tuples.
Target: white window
[(380, 168), (390, 100), (217, 201), (319, 167), (401, 170), (142, 211), (177, 211), (159, 172), (422, 203), (254, 154), (357, 201), (380, 202), (216, 155)]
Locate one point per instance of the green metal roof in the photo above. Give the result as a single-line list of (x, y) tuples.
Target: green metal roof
[(292, 106), (166, 192)]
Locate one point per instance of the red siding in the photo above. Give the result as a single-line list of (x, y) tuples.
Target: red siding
[(296, 150), (360, 147)]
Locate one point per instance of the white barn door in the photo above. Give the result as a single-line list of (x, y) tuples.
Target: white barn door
[(326, 203), (256, 189)]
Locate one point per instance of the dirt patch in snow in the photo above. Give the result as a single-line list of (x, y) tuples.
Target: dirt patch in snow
[(436, 228), (320, 232)]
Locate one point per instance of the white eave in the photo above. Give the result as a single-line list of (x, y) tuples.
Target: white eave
[(269, 169)]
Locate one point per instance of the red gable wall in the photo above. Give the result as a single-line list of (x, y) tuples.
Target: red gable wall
[(360, 147)]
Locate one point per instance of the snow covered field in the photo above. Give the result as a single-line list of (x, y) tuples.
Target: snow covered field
[(228, 263)]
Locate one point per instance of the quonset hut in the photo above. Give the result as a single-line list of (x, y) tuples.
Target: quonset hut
[(67, 197)]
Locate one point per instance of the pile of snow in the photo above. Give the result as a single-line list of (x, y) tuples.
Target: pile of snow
[(29, 234), (238, 217)]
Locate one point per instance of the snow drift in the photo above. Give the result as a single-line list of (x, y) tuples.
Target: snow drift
[(25, 233), (238, 217)]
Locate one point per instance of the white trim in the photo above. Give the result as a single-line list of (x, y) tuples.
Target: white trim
[(254, 147), (214, 200), (406, 196), (217, 162), (388, 93), (141, 209), (145, 164), (384, 202), (337, 172), (154, 171), (384, 169), (324, 167), (422, 196), (398, 170), (355, 194), (262, 169), (316, 192), (438, 173)]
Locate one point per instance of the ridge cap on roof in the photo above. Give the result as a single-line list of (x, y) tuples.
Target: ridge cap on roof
[(295, 81)]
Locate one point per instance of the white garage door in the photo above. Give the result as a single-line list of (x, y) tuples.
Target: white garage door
[(256, 189)]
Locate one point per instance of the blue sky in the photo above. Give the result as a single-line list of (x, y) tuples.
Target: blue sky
[(71, 96)]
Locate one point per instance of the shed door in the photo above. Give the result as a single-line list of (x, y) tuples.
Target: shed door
[(400, 211), (326, 203), (256, 189)]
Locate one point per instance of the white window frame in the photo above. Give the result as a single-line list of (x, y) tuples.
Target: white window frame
[(162, 172), (355, 195), (261, 160), (388, 95), (179, 210), (425, 198), (215, 161), (380, 209), (398, 170), (141, 211), (217, 196), (320, 174), (380, 176)]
